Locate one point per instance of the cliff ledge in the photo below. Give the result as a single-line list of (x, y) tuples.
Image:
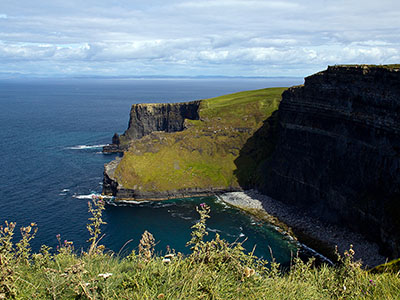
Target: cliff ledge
[(337, 151)]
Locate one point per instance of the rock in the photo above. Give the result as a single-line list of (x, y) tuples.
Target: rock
[(168, 117), (173, 153), (338, 151), (147, 118), (115, 139)]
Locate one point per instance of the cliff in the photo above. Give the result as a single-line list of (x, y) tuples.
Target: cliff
[(337, 150), (147, 118), (186, 149)]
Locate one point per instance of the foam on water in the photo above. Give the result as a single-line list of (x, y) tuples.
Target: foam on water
[(213, 229), (85, 147), (127, 202), (89, 196)]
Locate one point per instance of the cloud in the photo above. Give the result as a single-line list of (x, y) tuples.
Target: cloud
[(227, 37)]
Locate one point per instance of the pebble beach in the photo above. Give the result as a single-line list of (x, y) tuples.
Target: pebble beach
[(298, 220)]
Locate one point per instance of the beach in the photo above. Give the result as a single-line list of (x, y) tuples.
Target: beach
[(314, 233)]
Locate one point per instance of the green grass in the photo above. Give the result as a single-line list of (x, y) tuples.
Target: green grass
[(213, 270), (203, 155), (391, 66)]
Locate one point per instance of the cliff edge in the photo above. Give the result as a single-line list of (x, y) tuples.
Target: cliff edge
[(185, 149), (147, 118), (337, 151)]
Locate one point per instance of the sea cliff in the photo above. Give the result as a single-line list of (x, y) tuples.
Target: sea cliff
[(331, 150), (185, 149), (337, 151), (147, 118)]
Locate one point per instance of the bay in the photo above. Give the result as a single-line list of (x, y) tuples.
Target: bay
[(51, 133)]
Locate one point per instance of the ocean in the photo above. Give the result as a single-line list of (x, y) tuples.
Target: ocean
[(51, 133)]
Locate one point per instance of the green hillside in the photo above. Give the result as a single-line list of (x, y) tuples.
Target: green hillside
[(203, 155)]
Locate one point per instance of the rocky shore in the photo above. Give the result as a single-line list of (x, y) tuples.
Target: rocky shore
[(306, 227)]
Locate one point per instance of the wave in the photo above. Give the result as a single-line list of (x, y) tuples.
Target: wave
[(128, 202), (213, 230), (85, 147), (180, 215), (90, 196)]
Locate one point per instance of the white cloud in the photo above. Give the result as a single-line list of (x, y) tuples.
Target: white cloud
[(192, 37)]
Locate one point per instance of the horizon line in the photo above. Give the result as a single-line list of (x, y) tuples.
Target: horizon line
[(133, 77)]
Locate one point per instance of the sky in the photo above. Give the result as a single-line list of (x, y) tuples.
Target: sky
[(52, 38)]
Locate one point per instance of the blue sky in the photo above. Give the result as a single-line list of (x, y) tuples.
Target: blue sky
[(194, 37)]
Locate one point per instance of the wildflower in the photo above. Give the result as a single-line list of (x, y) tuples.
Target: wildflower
[(58, 236), (161, 296), (351, 251), (372, 282), (166, 260), (105, 275), (344, 287), (248, 272), (202, 205)]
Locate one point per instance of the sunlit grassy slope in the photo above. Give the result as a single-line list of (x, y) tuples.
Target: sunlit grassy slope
[(202, 156)]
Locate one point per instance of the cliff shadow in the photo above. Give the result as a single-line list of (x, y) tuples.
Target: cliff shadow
[(255, 152)]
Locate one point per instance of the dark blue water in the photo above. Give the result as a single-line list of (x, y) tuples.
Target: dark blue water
[(49, 162)]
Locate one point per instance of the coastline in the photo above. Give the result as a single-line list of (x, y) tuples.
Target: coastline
[(309, 231)]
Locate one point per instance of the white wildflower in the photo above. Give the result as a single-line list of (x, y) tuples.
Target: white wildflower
[(105, 275)]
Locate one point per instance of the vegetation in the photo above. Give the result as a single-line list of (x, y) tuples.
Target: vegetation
[(203, 155), (391, 66), (214, 270)]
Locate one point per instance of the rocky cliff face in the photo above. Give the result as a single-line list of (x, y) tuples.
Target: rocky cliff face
[(338, 150), (147, 118), (164, 161)]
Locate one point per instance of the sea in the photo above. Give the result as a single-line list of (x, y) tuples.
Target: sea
[(52, 132)]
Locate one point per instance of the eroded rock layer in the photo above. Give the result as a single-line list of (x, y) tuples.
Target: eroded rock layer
[(147, 118), (162, 161), (338, 150)]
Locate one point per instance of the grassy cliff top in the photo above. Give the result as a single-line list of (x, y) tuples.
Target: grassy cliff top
[(390, 67), (203, 155)]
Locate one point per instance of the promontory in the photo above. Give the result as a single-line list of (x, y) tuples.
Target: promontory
[(330, 147)]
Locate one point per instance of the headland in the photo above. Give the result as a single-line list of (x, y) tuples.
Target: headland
[(327, 151)]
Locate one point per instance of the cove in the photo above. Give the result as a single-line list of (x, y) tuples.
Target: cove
[(51, 161), (170, 221)]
